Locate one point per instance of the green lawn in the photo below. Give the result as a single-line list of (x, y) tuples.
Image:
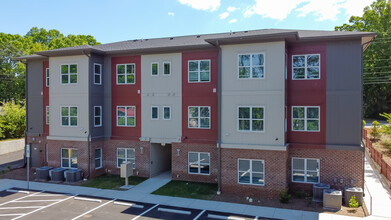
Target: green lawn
[(112, 181), (188, 190)]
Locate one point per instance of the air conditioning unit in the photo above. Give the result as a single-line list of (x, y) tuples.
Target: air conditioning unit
[(42, 173), (57, 174), (332, 199), (73, 175), (353, 191), (318, 191)]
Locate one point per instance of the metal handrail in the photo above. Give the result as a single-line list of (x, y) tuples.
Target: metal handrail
[(370, 198)]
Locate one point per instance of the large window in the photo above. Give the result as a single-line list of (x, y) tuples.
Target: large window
[(155, 69), (68, 158), (69, 116), (199, 70), (306, 66), (166, 68), (125, 155), (251, 171), (166, 112), (126, 73), (252, 66), (305, 170), (47, 115), (69, 74), (97, 116), (199, 163), (154, 113), (126, 116), (97, 74), (305, 118), (199, 116), (251, 118), (98, 158), (47, 77)]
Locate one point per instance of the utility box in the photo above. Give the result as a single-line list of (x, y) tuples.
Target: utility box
[(332, 199), (354, 191), (126, 170)]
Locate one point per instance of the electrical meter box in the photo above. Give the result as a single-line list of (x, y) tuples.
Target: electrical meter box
[(126, 170)]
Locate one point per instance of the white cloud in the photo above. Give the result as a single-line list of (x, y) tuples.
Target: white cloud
[(232, 21), (206, 5), (171, 13), (322, 9), (232, 9), (224, 15)]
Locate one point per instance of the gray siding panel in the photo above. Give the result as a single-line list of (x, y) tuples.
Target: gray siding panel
[(35, 100), (344, 93), (96, 96), (106, 80)]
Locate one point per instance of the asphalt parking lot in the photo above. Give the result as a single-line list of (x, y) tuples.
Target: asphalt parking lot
[(41, 205)]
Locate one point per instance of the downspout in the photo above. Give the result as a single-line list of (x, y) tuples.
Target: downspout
[(89, 111), (219, 85), (27, 116)]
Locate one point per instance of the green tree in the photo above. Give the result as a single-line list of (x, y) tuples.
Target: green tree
[(12, 120), (377, 62)]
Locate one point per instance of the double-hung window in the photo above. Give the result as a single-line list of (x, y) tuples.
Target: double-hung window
[(47, 77), (126, 116), (98, 158), (252, 66), (97, 74), (68, 73), (199, 70), (166, 112), (305, 170), (155, 113), (251, 118), (97, 116), (155, 69), (69, 116), (125, 155), (305, 118), (47, 115), (306, 66), (166, 68), (199, 163), (68, 158), (251, 171), (126, 73), (199, 116)]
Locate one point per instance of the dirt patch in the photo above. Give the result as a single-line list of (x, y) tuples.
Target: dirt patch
[(382, 147)]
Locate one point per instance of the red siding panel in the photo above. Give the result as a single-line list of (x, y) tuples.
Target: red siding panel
[(199, 94), (45, 96), (307, 93), (126, 95)]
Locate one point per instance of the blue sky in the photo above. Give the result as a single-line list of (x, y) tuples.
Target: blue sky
[(117, 20)]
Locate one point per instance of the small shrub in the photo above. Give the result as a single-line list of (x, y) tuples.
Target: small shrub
[(375, 132), (284, 196), (363, 123), (353, 203), (9, 167), (387, 128)]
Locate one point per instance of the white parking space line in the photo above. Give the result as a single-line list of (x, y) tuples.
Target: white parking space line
[(176, 211), (19, 198), (224, 217), (14, 214), (43, 207), (88, 199), (51, 195), (21, 207), (129, 204), (93, 209), (145, 212), (199, 215), (43, 200), (17, 191)]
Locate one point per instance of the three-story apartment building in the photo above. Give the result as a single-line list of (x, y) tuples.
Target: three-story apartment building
[(254, 111)]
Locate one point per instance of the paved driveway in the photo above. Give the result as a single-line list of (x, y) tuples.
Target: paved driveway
[(14, 159)]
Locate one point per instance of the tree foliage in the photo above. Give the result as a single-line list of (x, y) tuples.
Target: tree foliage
[(377, 58), (12, 73), (12, 120)]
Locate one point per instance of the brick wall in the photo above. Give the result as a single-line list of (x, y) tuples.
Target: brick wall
[(275, 165), (179, 164)]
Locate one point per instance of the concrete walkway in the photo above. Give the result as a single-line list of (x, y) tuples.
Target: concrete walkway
[(378, 189)]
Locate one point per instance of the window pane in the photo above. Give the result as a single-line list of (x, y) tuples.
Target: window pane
[(97, 120), (257, 113), (244, 125), (193, 76), (204, 158), (65, 162), (121, 69), (121, 78), (193, 66), (121, 153), (298, 112), (130, 153), (257, 178), (257, 166), (205, 123), (121, 111), (193, 123), (97, 69), (73, 68), (131, 111), (244, 165), (97, 153), (312, 112), (313, 60), (73, 111), (298, 164), (97, 79), (73, 78), (130, 79), (313, 73), (193, 157), (166, 69), (193, 168), (244, 72), (244, 177), (298, 61), (64, 79), (193, 112), (312, 165), (312, 177), (204, 66), (64, 121), (298, 176), (64, 111), (204, 168), (244, 60), (119, 162), (312, 125), (167, 113), (154, 69), (244, 112), (73, 121), (65, 153), (258, 72), (97, 111), (257, 125), (154, 112), (130, 121), (133, 163), (121, 120), (204, 111), (204, 76), (298, 73), (73, 153), (257, 59), (97, 163), (130, 68), (64, 69), (298, 125)]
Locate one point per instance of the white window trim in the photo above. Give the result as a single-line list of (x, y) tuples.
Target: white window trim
[(100, 158), (251, 172), (98, 116), (157, 107), (69, 117), (47, 115), (47, 77), (126, 156), (167, 62), (305, 170), (199, 117), (251, 125), (122, 106), (98, 74), (305, 66), (199, 163), (251, 70), (199, 71), (116, 74), (69, 158), (69, 74), (305, 118), (170, 112), (157, 68)]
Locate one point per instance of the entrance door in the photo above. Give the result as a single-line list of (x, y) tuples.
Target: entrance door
[(160, 158), (35, 160)]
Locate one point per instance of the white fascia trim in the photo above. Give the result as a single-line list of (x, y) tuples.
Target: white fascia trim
[(62, 138), (256, 147)]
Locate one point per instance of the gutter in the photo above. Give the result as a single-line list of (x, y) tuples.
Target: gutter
[(27, 116), (219, 84), (89, 111)]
